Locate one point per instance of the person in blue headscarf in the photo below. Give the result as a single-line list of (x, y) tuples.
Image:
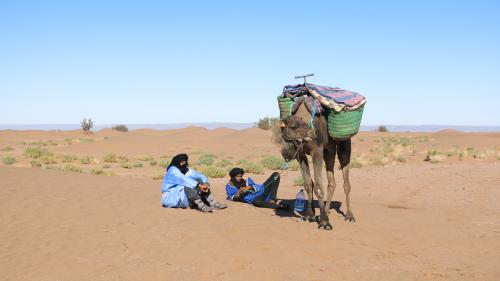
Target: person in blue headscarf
[(260, 195), (184, 187)]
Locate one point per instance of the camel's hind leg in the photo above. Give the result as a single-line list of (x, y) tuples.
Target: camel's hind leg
[(308, 185), (329, 158), (344, 155)]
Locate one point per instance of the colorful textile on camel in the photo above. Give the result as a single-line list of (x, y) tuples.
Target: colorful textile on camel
[(335, 98)]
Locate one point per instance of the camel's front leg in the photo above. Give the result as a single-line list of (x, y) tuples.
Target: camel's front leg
[(317, 158), (329, 158), (308, 185)]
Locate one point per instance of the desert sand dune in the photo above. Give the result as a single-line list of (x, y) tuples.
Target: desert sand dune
[(416, 220)]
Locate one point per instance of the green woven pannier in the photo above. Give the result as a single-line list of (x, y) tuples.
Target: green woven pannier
[(285, 105), (344, 124)]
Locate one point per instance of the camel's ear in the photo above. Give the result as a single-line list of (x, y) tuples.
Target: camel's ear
[(283, 125)]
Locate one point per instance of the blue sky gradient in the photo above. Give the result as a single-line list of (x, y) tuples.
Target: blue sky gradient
[(417, 62)]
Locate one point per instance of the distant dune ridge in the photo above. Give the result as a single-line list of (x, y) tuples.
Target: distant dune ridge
[(240, 126)]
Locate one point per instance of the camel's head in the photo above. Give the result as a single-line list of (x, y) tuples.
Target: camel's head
[(294, 128)]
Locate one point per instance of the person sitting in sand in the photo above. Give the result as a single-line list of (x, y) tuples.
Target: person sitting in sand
[(247, 191), (184, 187)]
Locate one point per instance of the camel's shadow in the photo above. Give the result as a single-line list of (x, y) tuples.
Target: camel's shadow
[(334, 205)]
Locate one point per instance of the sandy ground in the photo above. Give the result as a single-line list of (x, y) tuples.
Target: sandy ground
[(416, 220)]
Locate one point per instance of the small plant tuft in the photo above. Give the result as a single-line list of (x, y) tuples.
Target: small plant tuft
[(298, 181), (213, 172), (267, 123), (120, 128), (110, 158), (273, 163), (164, 163), (223, 163), (8, 160), (251, 167), (68, 158), (126, 165), (382, 128), (207, 159), (36, 152), (157, 177), (72, 168), (86, 160)]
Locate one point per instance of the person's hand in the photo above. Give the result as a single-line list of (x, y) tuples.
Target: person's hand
[(204, 187), (238, 194), (246, 188)]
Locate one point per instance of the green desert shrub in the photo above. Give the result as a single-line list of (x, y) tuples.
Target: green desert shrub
[(37, 143), (251, 167), (106, 166), (298, 181), (377, 161), (122, 158), (36, 152), (54, 168), (273, 163), (120, 128), (223, 163), (145, 158), (475, 153), (153, 163), (8, 160), (72, 168), (87, 124), (267, 123), (355, 162), (35, 163), (138, 165), (401, 158), (213, 172), (382, 128), (164, 163), (158, 177), (48, 159), (126, 165), (86, 160), (7, 148), (293, 166), (68, 158), (207, 159), (101, 172), (110, 158)]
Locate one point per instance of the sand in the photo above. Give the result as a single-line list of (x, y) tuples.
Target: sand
[(416, 220)]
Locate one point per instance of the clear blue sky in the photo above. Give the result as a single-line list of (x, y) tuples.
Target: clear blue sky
[(417, 62)]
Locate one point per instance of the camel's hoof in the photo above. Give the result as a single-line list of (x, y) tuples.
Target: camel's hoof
[(350, 219), (325, 226), (309, 218)]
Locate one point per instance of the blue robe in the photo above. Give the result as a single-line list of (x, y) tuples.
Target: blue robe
[(173, 195)]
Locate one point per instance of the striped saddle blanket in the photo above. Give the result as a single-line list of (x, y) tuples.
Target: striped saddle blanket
[(335, 98)]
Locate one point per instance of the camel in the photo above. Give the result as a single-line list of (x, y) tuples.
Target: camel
[(300, 140)]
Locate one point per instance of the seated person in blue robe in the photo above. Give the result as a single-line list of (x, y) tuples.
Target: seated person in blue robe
[(247, 191), (184, 187)]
